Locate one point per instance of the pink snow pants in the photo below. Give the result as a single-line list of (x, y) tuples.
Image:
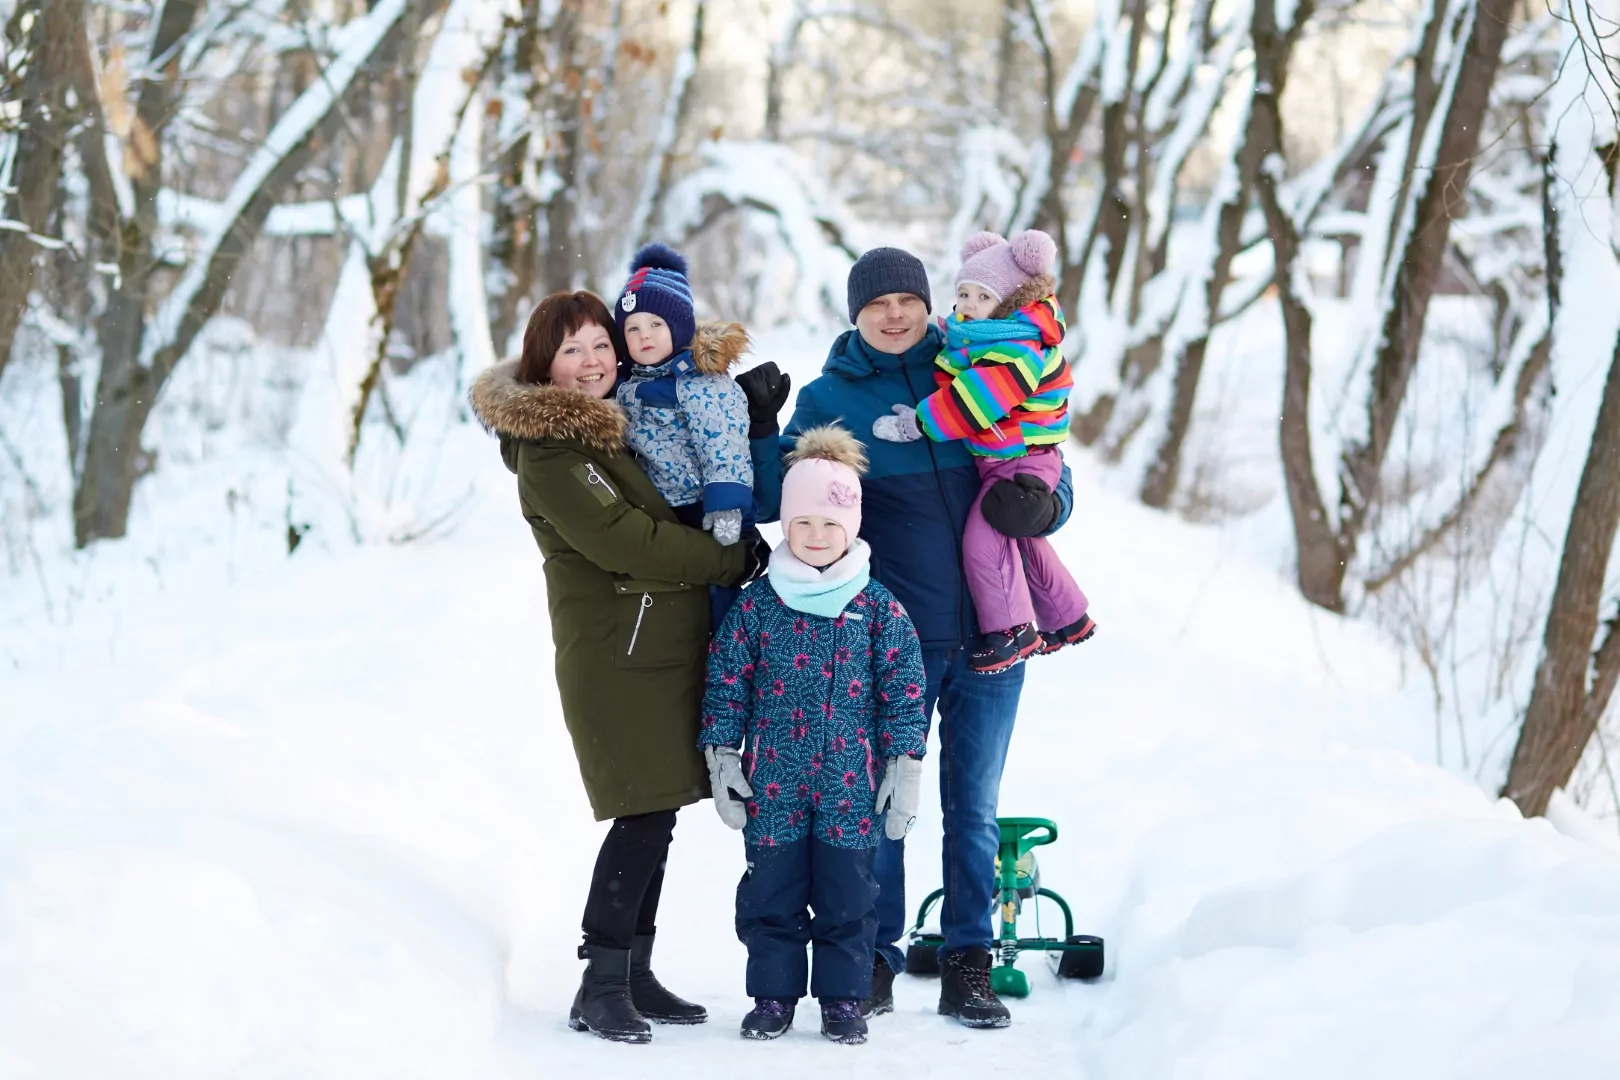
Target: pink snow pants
[(1017, 581)]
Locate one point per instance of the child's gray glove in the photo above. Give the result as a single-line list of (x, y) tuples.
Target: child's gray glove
[(901, 427), (729, 785), (725, 525), (898, 795)]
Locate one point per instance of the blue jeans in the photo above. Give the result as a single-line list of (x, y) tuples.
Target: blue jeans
[(976, 716)]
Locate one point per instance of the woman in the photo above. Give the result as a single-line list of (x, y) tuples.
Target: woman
[(626, 585)]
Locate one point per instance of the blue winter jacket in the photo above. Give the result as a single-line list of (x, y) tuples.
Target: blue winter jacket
[(915, 495), (688, 422)]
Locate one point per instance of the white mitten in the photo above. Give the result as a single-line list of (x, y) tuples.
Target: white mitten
[(725, 525), (729, 785), (901, 427), (898, 795)]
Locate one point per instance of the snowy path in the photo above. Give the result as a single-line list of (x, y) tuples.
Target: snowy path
[(324, 822)]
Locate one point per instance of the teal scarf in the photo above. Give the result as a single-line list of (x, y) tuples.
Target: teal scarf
[(823, 592)]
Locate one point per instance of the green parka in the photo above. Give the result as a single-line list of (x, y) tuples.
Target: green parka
[(626, 584)]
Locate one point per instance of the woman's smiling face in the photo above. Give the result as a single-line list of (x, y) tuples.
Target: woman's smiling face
[(586, 362)]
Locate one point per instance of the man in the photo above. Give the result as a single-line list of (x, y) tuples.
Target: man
[(916, 498)]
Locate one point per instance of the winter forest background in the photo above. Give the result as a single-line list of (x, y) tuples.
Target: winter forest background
[(286, 792), (1342, 276)]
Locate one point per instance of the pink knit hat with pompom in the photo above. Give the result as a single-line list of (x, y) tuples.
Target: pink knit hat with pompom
[(823, 479), (1002, 266)]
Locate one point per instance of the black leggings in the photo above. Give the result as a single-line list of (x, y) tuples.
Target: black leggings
[(628, 880)]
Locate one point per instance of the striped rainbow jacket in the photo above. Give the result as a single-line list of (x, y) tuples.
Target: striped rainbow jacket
[(1003, 383)]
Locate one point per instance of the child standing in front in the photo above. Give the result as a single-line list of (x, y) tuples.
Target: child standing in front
[(688, 417), (1004, 390), (814, 731)]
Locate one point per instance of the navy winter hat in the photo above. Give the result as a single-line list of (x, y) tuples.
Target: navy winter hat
[(658, 286), (886, 270)]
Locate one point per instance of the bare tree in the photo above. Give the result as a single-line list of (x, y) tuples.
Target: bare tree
[(139, 352), (39, 61), (1273, 48), (1439, 196), (1574, 682)]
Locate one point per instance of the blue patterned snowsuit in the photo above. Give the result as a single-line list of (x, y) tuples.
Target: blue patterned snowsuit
[(823, 702), (689, 423)]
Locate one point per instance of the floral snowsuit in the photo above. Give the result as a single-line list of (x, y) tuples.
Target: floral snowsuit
[(823, 702)]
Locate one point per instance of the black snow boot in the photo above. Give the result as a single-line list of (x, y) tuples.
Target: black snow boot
[(882, 997), (652, 1001), (1080, 630), (603, 1004), (769, 1018), (841, 1021), (1002, 649), (964, 990)]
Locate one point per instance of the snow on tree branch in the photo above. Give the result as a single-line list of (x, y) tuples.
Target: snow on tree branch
[(189, 305)]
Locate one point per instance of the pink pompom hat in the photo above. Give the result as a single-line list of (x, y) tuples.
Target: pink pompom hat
[(823, 479), (1004, 266)]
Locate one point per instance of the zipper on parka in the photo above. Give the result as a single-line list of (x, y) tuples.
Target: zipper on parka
[(646, 602), (594, 477)]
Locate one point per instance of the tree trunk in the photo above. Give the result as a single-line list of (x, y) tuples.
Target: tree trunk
[(138, 354), (1006, 56), (1064, 123), (1320, 561), (1111, 222), (650, 206), (1273, 47), (513, 244), (1441, 196), (560, 265), (1519, 439), (126, 389), (1563, 712), (37, 168)]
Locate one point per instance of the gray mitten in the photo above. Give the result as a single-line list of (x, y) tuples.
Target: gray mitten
[(898, 795), (901, 427), (729, 785), (726, 525)]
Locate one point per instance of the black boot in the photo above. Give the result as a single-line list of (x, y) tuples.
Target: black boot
[(882, 999), (652, 1001), (842, 1023), (1002, 649), (603, 1004), (964, 990), (769, 1018)]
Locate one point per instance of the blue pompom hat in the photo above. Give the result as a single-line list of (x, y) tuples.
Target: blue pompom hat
[(658, 285)]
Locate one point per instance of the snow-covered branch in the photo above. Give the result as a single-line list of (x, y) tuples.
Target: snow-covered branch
[(196, 296)]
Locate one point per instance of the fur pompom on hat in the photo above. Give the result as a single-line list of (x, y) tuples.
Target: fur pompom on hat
[(823, 478), (1003, 266), (659, 287)]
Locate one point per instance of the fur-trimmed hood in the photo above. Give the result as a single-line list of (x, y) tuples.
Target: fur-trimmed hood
[(1033, 291), (718, 347), (532, 411)]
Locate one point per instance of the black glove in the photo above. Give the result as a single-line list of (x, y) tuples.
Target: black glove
[(757, 555), (1022, 506), (767, 391)]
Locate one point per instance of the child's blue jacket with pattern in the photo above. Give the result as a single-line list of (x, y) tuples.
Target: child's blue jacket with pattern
[(689, 422), (823, 702)]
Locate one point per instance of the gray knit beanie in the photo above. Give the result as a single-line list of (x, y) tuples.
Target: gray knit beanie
[(886, 270)]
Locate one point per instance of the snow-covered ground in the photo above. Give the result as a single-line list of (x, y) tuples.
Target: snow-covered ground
[(317, 816)]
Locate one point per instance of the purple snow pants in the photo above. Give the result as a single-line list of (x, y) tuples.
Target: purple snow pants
[(1017, 581)]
